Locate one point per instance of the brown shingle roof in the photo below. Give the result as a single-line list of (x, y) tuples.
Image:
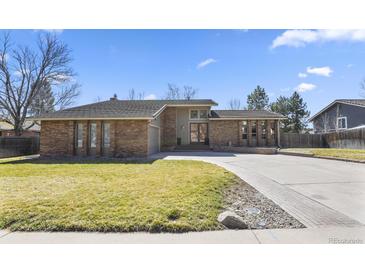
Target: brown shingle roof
[(244, 114), (132, 109)]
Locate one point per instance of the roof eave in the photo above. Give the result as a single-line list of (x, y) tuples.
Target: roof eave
[(250, 118), (86, 118)]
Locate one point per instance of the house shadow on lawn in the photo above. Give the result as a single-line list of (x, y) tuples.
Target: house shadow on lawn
[(77, 160)]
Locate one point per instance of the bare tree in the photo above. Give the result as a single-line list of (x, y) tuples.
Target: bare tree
[(133, 95), (362, 86), (140, 95), (189, 92), (235, 104), (24, 72), (173, 92)]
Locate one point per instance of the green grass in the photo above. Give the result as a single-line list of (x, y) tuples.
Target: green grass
[(352, 154), (154, 196)]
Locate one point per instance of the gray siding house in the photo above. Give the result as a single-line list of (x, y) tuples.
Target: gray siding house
[(341, 114)]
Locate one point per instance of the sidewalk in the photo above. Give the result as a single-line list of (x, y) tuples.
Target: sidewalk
[(267, 236)]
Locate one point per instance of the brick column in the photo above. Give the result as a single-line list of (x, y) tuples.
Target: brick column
[(249, 131), (268, 135), (240, 141), (98, 138), (71, 138), (259, 132), (278, 133)]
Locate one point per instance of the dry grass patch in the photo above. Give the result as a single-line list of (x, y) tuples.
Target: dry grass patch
[(351, 154), (162, 195)]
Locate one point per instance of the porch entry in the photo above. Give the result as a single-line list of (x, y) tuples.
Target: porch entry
[(198, 133)]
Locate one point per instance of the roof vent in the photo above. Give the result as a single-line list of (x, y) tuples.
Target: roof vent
[(115, 97)]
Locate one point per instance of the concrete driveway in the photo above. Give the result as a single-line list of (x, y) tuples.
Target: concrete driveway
[(318, 192)]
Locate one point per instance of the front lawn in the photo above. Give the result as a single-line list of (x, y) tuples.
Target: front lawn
[(111, 195), (352, 154)]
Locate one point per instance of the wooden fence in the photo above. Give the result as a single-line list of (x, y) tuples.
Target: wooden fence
[(352, 139), (288, 140), (17, 146)]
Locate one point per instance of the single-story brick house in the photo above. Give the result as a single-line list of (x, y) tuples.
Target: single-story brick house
[(138, 128)]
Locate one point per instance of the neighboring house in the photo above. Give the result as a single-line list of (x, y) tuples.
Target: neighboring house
[(7, 129), (124, 128), (341, 114)]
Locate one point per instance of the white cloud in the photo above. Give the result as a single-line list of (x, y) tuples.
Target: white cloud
[(302, 75), (300, 38), (349, 65), (150, 97), (303, 87), (322, 71), (206, 63)]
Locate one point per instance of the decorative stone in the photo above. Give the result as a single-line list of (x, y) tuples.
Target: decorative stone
[(231, 220), (253, 210)]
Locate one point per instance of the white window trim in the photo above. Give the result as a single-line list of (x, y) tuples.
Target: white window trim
[(342, 117), (198, 118)]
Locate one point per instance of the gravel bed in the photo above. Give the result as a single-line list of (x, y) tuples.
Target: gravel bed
[(257, 211)]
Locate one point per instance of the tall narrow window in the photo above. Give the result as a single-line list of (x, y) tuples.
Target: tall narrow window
[(254, 129), (79, 132), (272, 129), (92, 135), (106, 135), (263, 129), (244, 130)]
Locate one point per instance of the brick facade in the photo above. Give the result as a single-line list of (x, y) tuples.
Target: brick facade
[(225, 132), (128, 138), (55, 138), (168, 127), (221, 133)]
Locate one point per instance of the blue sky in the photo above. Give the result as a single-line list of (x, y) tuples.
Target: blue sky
[(221, 64)]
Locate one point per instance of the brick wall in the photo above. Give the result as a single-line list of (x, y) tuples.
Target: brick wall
[(223, 132), (55, 138), (168, 127), (128, 138), (131, 138)]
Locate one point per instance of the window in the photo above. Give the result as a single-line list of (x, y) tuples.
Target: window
[(342, 122), (196, 114), (106, 135), (203, 114), (92, 135), (254, 129), (79, 131), (263, 129), (244, 130)]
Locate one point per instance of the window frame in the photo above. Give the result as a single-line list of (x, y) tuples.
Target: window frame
[(198, 116), (92, 144), (342, 118), (78, 133), (244, 125), (263, 125), (254, 135), (103, 135)]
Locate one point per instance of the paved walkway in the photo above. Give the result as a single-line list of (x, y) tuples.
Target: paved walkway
[(318, 192), (269, 236)]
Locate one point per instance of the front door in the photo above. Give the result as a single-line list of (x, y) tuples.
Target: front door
[(198, 133)]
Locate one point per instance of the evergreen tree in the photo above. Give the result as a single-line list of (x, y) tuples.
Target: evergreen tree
[(298, 112), (258, 99), (294, 109), (282, 106)]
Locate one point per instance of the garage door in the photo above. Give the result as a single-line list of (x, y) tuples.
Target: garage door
[(153, 140)]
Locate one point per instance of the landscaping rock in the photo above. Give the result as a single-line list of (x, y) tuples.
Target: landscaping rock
[(231, 220)]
